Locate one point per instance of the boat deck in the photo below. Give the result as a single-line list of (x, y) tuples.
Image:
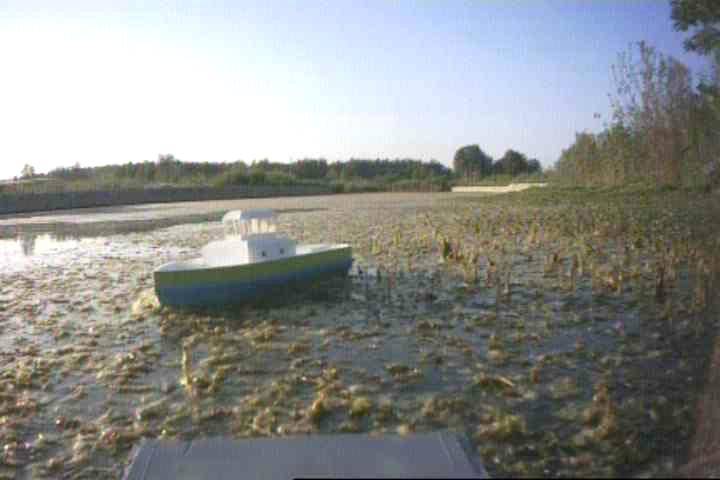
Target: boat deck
[(200, 263)]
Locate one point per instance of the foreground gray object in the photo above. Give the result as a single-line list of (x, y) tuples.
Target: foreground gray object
[(433, 455)]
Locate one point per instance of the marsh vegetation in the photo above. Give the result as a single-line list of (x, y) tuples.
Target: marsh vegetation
[(565, 332)]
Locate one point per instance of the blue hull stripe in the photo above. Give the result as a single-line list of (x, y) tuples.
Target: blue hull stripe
[(237, 292)]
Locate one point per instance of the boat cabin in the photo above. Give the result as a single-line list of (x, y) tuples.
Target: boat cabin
[(246, 223), (250, 236)]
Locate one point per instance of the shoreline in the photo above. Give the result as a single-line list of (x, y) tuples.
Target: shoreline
[(513, 187), (23, 203), (98, 221)]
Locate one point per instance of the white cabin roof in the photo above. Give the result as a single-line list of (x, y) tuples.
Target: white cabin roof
[(244, 215)]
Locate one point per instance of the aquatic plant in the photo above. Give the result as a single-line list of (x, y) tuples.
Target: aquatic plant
[(503, 316)]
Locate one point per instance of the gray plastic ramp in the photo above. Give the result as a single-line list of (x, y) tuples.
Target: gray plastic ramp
[(432, 455)]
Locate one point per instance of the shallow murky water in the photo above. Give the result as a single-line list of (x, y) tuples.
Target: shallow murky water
[(549, 372)]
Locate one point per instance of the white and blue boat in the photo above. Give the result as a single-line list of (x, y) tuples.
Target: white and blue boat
[(249, 263)]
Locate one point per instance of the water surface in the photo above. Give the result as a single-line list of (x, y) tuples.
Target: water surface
[(406, 343)]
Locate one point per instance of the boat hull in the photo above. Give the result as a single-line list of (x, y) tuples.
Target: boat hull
[(213, 286)]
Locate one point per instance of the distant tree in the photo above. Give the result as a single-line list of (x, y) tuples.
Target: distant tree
[(257, 176), (654, 99), (703, 16), (167, 169), (28, 171), (471, 161), (512, 163), (534, 166), (385, 169), (170, 169), (310, 168), (236, 175), (334, 170), (240, 166)]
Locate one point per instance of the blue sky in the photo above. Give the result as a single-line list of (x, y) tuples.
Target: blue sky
[(108, 82)]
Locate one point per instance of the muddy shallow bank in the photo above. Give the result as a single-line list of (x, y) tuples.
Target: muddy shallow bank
[(132, 218), (564, 339), (21, 202)]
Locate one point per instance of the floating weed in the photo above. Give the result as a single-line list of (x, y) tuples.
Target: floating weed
[(152, 410), (532, 290), (386, 410), (318, 410), (405, 429), (497, 383), (497, 356), (146, 303), (360, 406), (501, 427), (564, 388)]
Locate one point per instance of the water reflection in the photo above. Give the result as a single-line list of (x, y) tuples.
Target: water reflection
[(28, 244), (29, 248)]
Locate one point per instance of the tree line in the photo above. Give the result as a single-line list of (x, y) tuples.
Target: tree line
[(665, 126), (472, 163), (356, 174), (169, 170)]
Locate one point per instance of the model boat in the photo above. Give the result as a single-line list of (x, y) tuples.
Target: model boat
[(250, 262)]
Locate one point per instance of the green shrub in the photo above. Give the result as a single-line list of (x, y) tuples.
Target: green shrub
[(279, 178)]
